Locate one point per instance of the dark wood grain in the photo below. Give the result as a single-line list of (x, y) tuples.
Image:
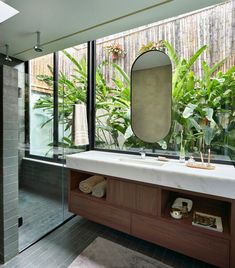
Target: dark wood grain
[(147, 199), (121, 193), (143, 210), (206, 248), (100, 212)]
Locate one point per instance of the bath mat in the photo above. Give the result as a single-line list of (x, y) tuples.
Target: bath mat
[(102, 253)]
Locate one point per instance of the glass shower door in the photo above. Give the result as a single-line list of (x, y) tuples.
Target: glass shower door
[(41, 185)]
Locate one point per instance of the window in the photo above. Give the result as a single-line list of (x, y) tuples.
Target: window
[(203, 89), (58, 81), (41, 119), (203, 94), (73, 81)]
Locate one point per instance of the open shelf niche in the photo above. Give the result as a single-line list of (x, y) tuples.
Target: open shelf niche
[(75, 179), (208, 205)]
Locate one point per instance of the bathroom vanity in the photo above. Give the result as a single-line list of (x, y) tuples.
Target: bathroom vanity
[(139, 196)]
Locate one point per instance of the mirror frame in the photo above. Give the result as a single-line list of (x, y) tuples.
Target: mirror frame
[(156, 50)]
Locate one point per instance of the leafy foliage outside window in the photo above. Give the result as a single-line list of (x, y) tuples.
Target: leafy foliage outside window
[(204, 108)]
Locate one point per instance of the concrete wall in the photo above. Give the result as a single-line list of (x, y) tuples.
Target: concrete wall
[(8, 163)]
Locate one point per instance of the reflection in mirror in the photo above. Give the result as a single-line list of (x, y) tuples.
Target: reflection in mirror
[(151, 91)]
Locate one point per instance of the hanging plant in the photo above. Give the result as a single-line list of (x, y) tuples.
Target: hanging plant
[(152, 46), (115, 50)]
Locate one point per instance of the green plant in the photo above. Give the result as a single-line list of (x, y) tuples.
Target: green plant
[(152, 46), (202, 107), (115, 50), (112, 109)]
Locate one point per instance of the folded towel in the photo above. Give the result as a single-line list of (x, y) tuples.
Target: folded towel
[(87, 185), (99, 189), (79, 128)]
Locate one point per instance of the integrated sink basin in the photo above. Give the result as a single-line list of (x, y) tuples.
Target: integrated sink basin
[(217, 182), (141, 161)]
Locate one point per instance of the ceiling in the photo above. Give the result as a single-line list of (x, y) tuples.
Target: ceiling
[(6, 11), (68, 23)]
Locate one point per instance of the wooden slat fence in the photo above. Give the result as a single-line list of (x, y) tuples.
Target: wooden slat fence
[(214, 26)]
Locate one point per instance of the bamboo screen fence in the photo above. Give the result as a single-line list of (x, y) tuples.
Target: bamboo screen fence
[(214, 27)]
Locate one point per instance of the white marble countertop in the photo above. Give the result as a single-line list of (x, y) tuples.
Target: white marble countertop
[(219, 182)]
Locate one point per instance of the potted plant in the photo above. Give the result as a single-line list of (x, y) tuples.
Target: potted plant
[(115, 50), (152, 46)]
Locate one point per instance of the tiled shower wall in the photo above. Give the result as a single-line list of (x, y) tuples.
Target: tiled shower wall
[(44, 177), (8, 163)]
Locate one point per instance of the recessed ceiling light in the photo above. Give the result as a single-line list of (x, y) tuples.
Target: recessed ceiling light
[(6, 12)]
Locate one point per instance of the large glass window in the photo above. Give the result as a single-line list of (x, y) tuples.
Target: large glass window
[(57, 83), (203, 90), (41, 118), (203, 96), (73, 81)]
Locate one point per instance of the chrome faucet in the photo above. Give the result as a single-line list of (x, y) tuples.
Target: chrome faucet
[(142, 153)]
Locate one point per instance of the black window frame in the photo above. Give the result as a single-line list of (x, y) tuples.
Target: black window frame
[(91, 112)]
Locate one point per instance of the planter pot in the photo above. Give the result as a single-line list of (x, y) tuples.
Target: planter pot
[(115, 56)]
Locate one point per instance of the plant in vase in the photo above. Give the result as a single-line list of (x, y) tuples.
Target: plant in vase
[(115, 50), (182, 148)]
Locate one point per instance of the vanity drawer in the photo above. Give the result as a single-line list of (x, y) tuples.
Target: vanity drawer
[(203, 247), (121, 193), (100, 212), (147, 199), (135, 196)]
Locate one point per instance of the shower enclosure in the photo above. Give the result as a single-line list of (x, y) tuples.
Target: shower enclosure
[(42, 176)]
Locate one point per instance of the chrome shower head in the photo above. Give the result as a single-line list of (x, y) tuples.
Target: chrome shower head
[(7, 58), (38, 47)]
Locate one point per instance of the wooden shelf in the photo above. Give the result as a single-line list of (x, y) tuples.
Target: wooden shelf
[(186, 223), (77, 192), (200, 204)]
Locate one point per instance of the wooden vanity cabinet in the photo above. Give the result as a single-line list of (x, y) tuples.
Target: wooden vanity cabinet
[(133, 196), (142, 210)]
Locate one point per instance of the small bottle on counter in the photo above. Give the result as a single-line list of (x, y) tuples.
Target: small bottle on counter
[(184, 210), (182, 149)]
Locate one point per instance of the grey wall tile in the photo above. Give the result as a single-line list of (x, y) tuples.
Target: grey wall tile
[(8, 163)]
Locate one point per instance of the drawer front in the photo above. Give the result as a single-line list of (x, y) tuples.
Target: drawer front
[(121, 193), (203, 247), (147, 199), (100, 213)]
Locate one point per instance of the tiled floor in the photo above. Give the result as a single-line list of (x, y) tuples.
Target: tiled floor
[(61, 247), (41, 213)]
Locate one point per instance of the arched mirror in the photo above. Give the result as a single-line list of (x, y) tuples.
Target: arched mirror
[(151, 91)]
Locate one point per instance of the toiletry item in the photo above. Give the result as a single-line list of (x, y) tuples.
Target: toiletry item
[(182, 150), (200, 166), (184, 210), (209, 157), (207, 221), (178, 203), (191, 160), (176, 213), (182, 155), (193, 164)]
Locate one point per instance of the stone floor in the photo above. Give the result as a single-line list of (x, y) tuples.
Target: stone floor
[(62, 246), (41, 213)]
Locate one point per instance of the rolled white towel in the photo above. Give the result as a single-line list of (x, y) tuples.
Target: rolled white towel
[(99, 190), (87, 185)]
